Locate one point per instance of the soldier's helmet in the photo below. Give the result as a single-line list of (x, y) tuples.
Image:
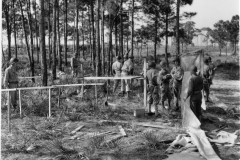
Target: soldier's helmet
[(193, 69), (13, 60), (177, 59), (163, 63), (118, 57), (152, 65)]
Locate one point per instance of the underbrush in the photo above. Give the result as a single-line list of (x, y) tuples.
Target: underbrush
[(228, 71)]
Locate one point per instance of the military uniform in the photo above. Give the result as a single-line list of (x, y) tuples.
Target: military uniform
[(75, 66), (116, 67), (194, 91), (126, 70), (11, 81), (206, 80), (211, 72), (163, 80), (177, 74)]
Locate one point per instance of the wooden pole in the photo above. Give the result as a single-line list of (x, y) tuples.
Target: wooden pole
[(82, 81), (20, 104), (49, 103), (9, 129), (145, 83), (96, 94)]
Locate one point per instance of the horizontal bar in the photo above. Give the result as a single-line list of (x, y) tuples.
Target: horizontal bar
[(11, 89), (86, 84), (29, 77), (112, 78)]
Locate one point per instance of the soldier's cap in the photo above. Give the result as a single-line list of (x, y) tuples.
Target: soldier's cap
[(13, 60), (193, 69), (206, 60), (152, 65), (177, 59), (163, 63), (118, 57)]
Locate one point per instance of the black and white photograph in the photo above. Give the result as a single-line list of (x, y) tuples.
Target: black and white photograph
[(120, 80)]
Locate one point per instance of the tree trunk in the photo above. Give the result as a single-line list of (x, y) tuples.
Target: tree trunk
[(59, 39), (54, 76), (155, 40), (8, 31), (116, 39), (65, 32), (42, 44), (31, 37), (25, 34), (83, 36), (77, 30), (103, 49), (15, 31), (132, 27), (36, 35), (93, 35), (121, 31), (110, 45), (98, 69), (177, 29), (166, 37), (49, 36), (90, 36)]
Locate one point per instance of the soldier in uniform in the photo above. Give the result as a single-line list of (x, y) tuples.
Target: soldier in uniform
[(127, 69), (194, 92), (206, 79), (212, 70), (74, 65), (11, 81), (177, 74), (152, 88), (116, 70), (163, 81)]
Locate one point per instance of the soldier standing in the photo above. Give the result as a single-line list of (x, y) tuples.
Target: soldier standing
[(127, 69), (74, 65), (206, 79), (177, 74), (194, 92), (152, 88), (212, 70), (116, 70), (11, 81), (163, 80)]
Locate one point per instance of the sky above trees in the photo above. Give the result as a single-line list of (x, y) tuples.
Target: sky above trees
[(211, 11)]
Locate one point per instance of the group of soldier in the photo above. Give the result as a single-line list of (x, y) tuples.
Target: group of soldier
[(158, 82)]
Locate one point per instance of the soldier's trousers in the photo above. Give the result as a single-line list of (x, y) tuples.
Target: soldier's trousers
[(206, 88), (125, 83), (196, 108), (13, 94), (177, 94), (116, 82), (153, 95)]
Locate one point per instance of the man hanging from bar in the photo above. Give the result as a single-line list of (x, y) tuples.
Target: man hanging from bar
[(11, 81), (177, 74), (194, 92), (116, 70), (152, 88), (163, 81), (126, 71)]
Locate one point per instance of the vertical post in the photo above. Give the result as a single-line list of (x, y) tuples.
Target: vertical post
[(9, 129), (49, 113), (20, 104), (96, 94), (145, 83), (82, 76)]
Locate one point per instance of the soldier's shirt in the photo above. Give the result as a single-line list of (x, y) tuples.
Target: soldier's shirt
[(10, 75), (211, 69), (206, 71), (177, 73), (195, 87), (74, 62), (152, 77), (117, 66), (127, 66), (162, 80)]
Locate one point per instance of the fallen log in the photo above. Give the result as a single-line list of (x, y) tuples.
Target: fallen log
[(77, 129)]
